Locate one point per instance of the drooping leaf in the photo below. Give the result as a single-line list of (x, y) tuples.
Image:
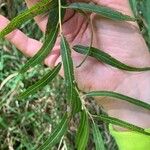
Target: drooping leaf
[(98, 140), (77, 106), (133, 4), (72, 94), (52, 12), (101, 10), (83, 132), (91, 40), (56, 135), (41, 83), (50, 39), (119, 96), (144, 13), (107, 59), (121, 123), (39, 8)]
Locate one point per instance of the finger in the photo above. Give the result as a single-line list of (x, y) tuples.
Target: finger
[(41, 20), (26, 45), (53, 57)]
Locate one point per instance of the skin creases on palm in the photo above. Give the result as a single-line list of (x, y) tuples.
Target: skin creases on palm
[(120, 39)]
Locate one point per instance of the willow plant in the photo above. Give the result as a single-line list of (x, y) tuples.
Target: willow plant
[(141, 11), (56, 10)]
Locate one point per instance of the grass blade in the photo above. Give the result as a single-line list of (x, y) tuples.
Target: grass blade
[(72, 94), (39, 8), (83, 132), (41, 83), (56, 136), (107, 59), (121, 123), (119, 96), (101, 10), (3, 123), (51, 36), (98, 140)]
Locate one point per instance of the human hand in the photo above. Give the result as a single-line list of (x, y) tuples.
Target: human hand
[(122, 40)]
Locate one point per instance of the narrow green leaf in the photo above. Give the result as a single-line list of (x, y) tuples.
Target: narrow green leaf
[(144, 12), (51, 36), (119, 96), (133, 4), (72, 94), (41, 83), (83, 132), (106, 58), (98, 140), (101, 10), (56, 135), (122, 123), (52, 12), (76, 101), (39, 8)]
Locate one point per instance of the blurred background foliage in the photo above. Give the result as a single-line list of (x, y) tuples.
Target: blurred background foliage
[(26, 123)]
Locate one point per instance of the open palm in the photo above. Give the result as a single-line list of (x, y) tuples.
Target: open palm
[(122, 40)]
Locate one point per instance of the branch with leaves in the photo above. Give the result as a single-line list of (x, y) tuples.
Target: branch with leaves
[(56, 10)]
